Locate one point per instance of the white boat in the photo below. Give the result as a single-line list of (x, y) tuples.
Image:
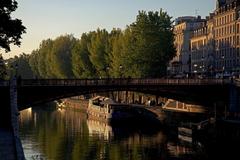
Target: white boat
[(107, 110)]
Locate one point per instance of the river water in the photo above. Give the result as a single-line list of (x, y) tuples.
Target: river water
[(67, 135)]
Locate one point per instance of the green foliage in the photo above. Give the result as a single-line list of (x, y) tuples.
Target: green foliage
[(98, 52), (3, 69), (61, 56), (53, 59), (33, 63), (43, 65), (10, 29), (81, 64), (22, 67), (143, 49)]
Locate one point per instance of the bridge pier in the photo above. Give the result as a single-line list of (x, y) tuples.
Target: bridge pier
[(234, 104), (10, 144), (14, 119)]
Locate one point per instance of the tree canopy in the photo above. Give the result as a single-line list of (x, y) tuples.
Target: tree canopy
[(146, 46), (10, 29), (143, 49)]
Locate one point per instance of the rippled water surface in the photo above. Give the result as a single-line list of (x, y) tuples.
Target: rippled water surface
[(66, 134)]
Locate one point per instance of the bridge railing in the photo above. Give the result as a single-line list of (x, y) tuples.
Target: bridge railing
[(121, 81), (179, 81)]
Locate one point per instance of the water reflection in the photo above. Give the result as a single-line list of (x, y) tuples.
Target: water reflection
[(97, 128), (66, 134)]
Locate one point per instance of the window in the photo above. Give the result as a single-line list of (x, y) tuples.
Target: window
[(238, 53), (237, 28)]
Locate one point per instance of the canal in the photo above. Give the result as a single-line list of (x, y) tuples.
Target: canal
[(53, 134)]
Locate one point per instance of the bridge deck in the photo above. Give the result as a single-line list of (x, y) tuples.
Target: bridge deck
[(37, 91), (119, 81), (122, 81)]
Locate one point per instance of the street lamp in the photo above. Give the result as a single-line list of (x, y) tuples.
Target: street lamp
[(195, 69), (120, 69), (202, 65), (223, 67), (107, 71)]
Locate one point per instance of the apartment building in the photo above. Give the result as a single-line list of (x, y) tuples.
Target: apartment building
[(202, 48), (184, 26), (226, 29), (213, 44)]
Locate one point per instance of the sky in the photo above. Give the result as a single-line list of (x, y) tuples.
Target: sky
[(51, 18)]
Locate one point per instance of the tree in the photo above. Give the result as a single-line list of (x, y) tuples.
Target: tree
[(10, 29), (3, 70), (33, 63), (150, 44), (23, 69), (122, 50), (98, 52), (81, 64), (44, 59), (154, 36), (61, 56)]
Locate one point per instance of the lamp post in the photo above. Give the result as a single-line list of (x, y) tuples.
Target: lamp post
[(202, 66), (223, 67), (120, 70), (107, 71), (168, 71), (195, 69)]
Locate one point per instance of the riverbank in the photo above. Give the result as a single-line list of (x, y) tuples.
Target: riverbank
[(7, 145)]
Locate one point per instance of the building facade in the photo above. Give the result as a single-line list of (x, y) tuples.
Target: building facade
[(184, 26), (202, 48), (213, 44), (226, 29)]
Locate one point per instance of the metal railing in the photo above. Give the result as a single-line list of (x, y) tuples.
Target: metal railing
[(121, 82)]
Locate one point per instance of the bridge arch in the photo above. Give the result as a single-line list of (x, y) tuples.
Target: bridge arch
[(196, 91)]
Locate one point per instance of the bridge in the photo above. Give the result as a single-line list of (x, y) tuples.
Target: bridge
[(29, 92), (197, 91)]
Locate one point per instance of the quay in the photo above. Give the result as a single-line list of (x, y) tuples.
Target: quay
[(7, 149)]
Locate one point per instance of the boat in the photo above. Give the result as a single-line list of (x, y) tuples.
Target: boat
[(60, 104), (189, 132), (106, 110), (185, 134)]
